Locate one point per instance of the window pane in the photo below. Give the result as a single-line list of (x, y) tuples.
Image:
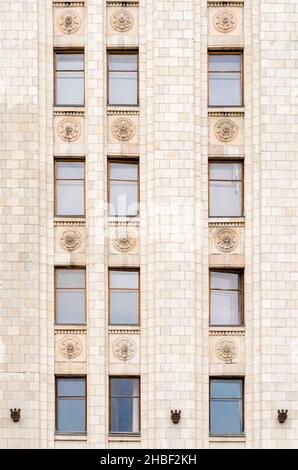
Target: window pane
[(225, 280), (70, 88), (225, 89), (124, 415), (70, 278), (123, 198), (225, 308), (123, 62), (124, 171), (124, 307), (124, 387), (226, 417), (74, 387), (70, 170), (124, 279), (70, 197), (223, 388), (225, 171), (70, 61), (123, 88), (225, 199), (71, 415), (70, 306), (225, 62)]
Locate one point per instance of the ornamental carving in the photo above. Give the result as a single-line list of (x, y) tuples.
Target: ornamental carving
[(122, 21), (70, 347), (70, 240), (226, 130), (123, 129), (226, 350), (226, 239), (124, 240), (69, 130), (124, 349), (69, 22), (225, 21)]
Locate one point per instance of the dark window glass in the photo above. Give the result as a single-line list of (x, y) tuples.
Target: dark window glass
[(226, 298), (124, 188), (226, 406), (69, 79), (70, 189), (225, 189), (124, 405), (124, 297), (225, 80), (71, 405), (70, 296), (123, 78)]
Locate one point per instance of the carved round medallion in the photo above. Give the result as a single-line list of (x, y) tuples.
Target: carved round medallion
[(226, 349), (123, 129), (226, 130), (226, 239), (69, 129), (122, 20), (225, 21), (69, 22), (124, 349), (70, 239), (124, 240), (70, 347)]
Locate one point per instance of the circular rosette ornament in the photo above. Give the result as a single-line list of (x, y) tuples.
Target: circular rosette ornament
[(226, 130), (122, 21), (226, 350), (226, 240), (69, 22), (225, 21), (70, 240), (69, 130), (70, 347), (124, 240), (124, 349), (123, 129)]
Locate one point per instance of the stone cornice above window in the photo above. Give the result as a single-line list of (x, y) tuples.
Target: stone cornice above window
[(230, 3)]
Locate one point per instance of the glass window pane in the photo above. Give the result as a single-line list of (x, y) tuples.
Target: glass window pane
[(226, 171), (225, 308), (225, 63), (124, 279), (225, 89), (123, 198), (69, 61), (70, 88), (70, 170), (124, 415), (123, 62), (123, 171), (74, 387), (124, 307), (71, 415), (123, 88), (226, 417), (73, 278), (70, 197), (225, 280), (223, 388), (124, 387), (70, 306), (225, 199)]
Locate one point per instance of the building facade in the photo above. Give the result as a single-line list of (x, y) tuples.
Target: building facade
[(148, 224)]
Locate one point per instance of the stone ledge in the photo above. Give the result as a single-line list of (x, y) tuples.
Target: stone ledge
[(226, 222), (71, 222), (123, 110)]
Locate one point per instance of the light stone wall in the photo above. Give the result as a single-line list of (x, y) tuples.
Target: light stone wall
[(173, 242)]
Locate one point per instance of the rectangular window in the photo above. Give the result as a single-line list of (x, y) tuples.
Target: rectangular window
[(70, 295), (124, 405), (226, 406), (225, 79), (226, 297), (225, 189), (123, 188), (124, 297), (71, 404), (69, 188), (69, 79), (123, 78)]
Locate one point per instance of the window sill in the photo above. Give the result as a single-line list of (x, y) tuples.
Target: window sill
[(124, 438), (136, 328), (219, 328), (68, 108), (69, 220), (226, 109), (70, 326), (122, 108), (235, 220), (226, 438), (70, 437)]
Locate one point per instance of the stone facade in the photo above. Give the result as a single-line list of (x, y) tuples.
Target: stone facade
[(173, 242)]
